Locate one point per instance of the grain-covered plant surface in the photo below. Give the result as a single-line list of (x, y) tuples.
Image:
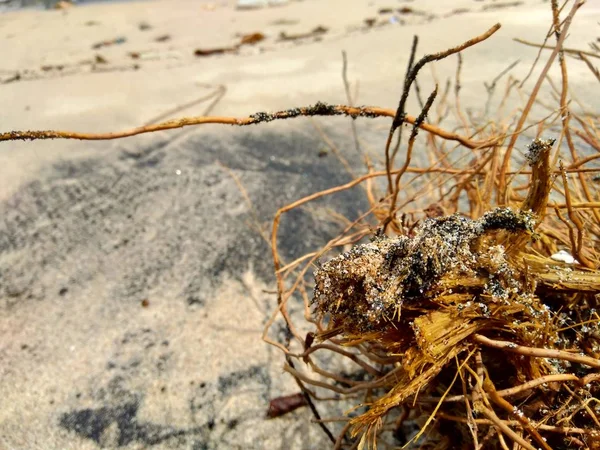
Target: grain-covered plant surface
[(461, 310)]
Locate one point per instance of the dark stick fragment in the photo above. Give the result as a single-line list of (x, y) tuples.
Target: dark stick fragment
[(285, 404), (423, 114), (308, 342), (410, 77), (400, 112)]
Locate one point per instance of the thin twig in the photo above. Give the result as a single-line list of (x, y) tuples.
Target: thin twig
[(311, 405), (537, 352), (577, 249), (411, 141), (549, 47), (551, 428), (521, 418), (593, 68), (400, 116), (218, 94), (513, 140), (319, 109), (510, 391), (411, 62), (491, 88), (350, 100)]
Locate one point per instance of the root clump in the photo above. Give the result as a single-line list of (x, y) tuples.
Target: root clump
[(467, 298), (365, 289)]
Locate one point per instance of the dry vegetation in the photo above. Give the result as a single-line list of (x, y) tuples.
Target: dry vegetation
[(458, 315), (454, 308)]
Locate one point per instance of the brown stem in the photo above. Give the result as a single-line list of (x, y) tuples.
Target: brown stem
[(319, 109), (537, 352), (513, 140)]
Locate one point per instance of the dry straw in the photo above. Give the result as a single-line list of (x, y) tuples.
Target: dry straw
[(459, 316)]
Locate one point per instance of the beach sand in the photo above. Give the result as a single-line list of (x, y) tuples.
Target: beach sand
[(134, 280)]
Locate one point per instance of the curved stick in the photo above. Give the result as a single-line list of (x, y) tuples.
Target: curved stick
[(319, 109)]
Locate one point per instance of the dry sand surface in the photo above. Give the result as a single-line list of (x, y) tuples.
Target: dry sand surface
[(133, 278)]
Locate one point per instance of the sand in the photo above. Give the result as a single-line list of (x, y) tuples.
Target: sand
[(134, 284)]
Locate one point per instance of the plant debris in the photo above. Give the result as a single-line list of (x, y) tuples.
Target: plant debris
[(163, 38), (246, 39), (285, 404), (465, 317), (316, 32), (496, 6), (110, 42)]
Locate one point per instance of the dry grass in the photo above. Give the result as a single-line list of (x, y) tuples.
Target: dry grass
[(455, 315)]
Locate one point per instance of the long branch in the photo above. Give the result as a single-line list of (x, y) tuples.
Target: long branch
[(319, 109)]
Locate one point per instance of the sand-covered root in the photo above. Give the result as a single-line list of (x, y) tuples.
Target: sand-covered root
[(430, 300), (367, 288)]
